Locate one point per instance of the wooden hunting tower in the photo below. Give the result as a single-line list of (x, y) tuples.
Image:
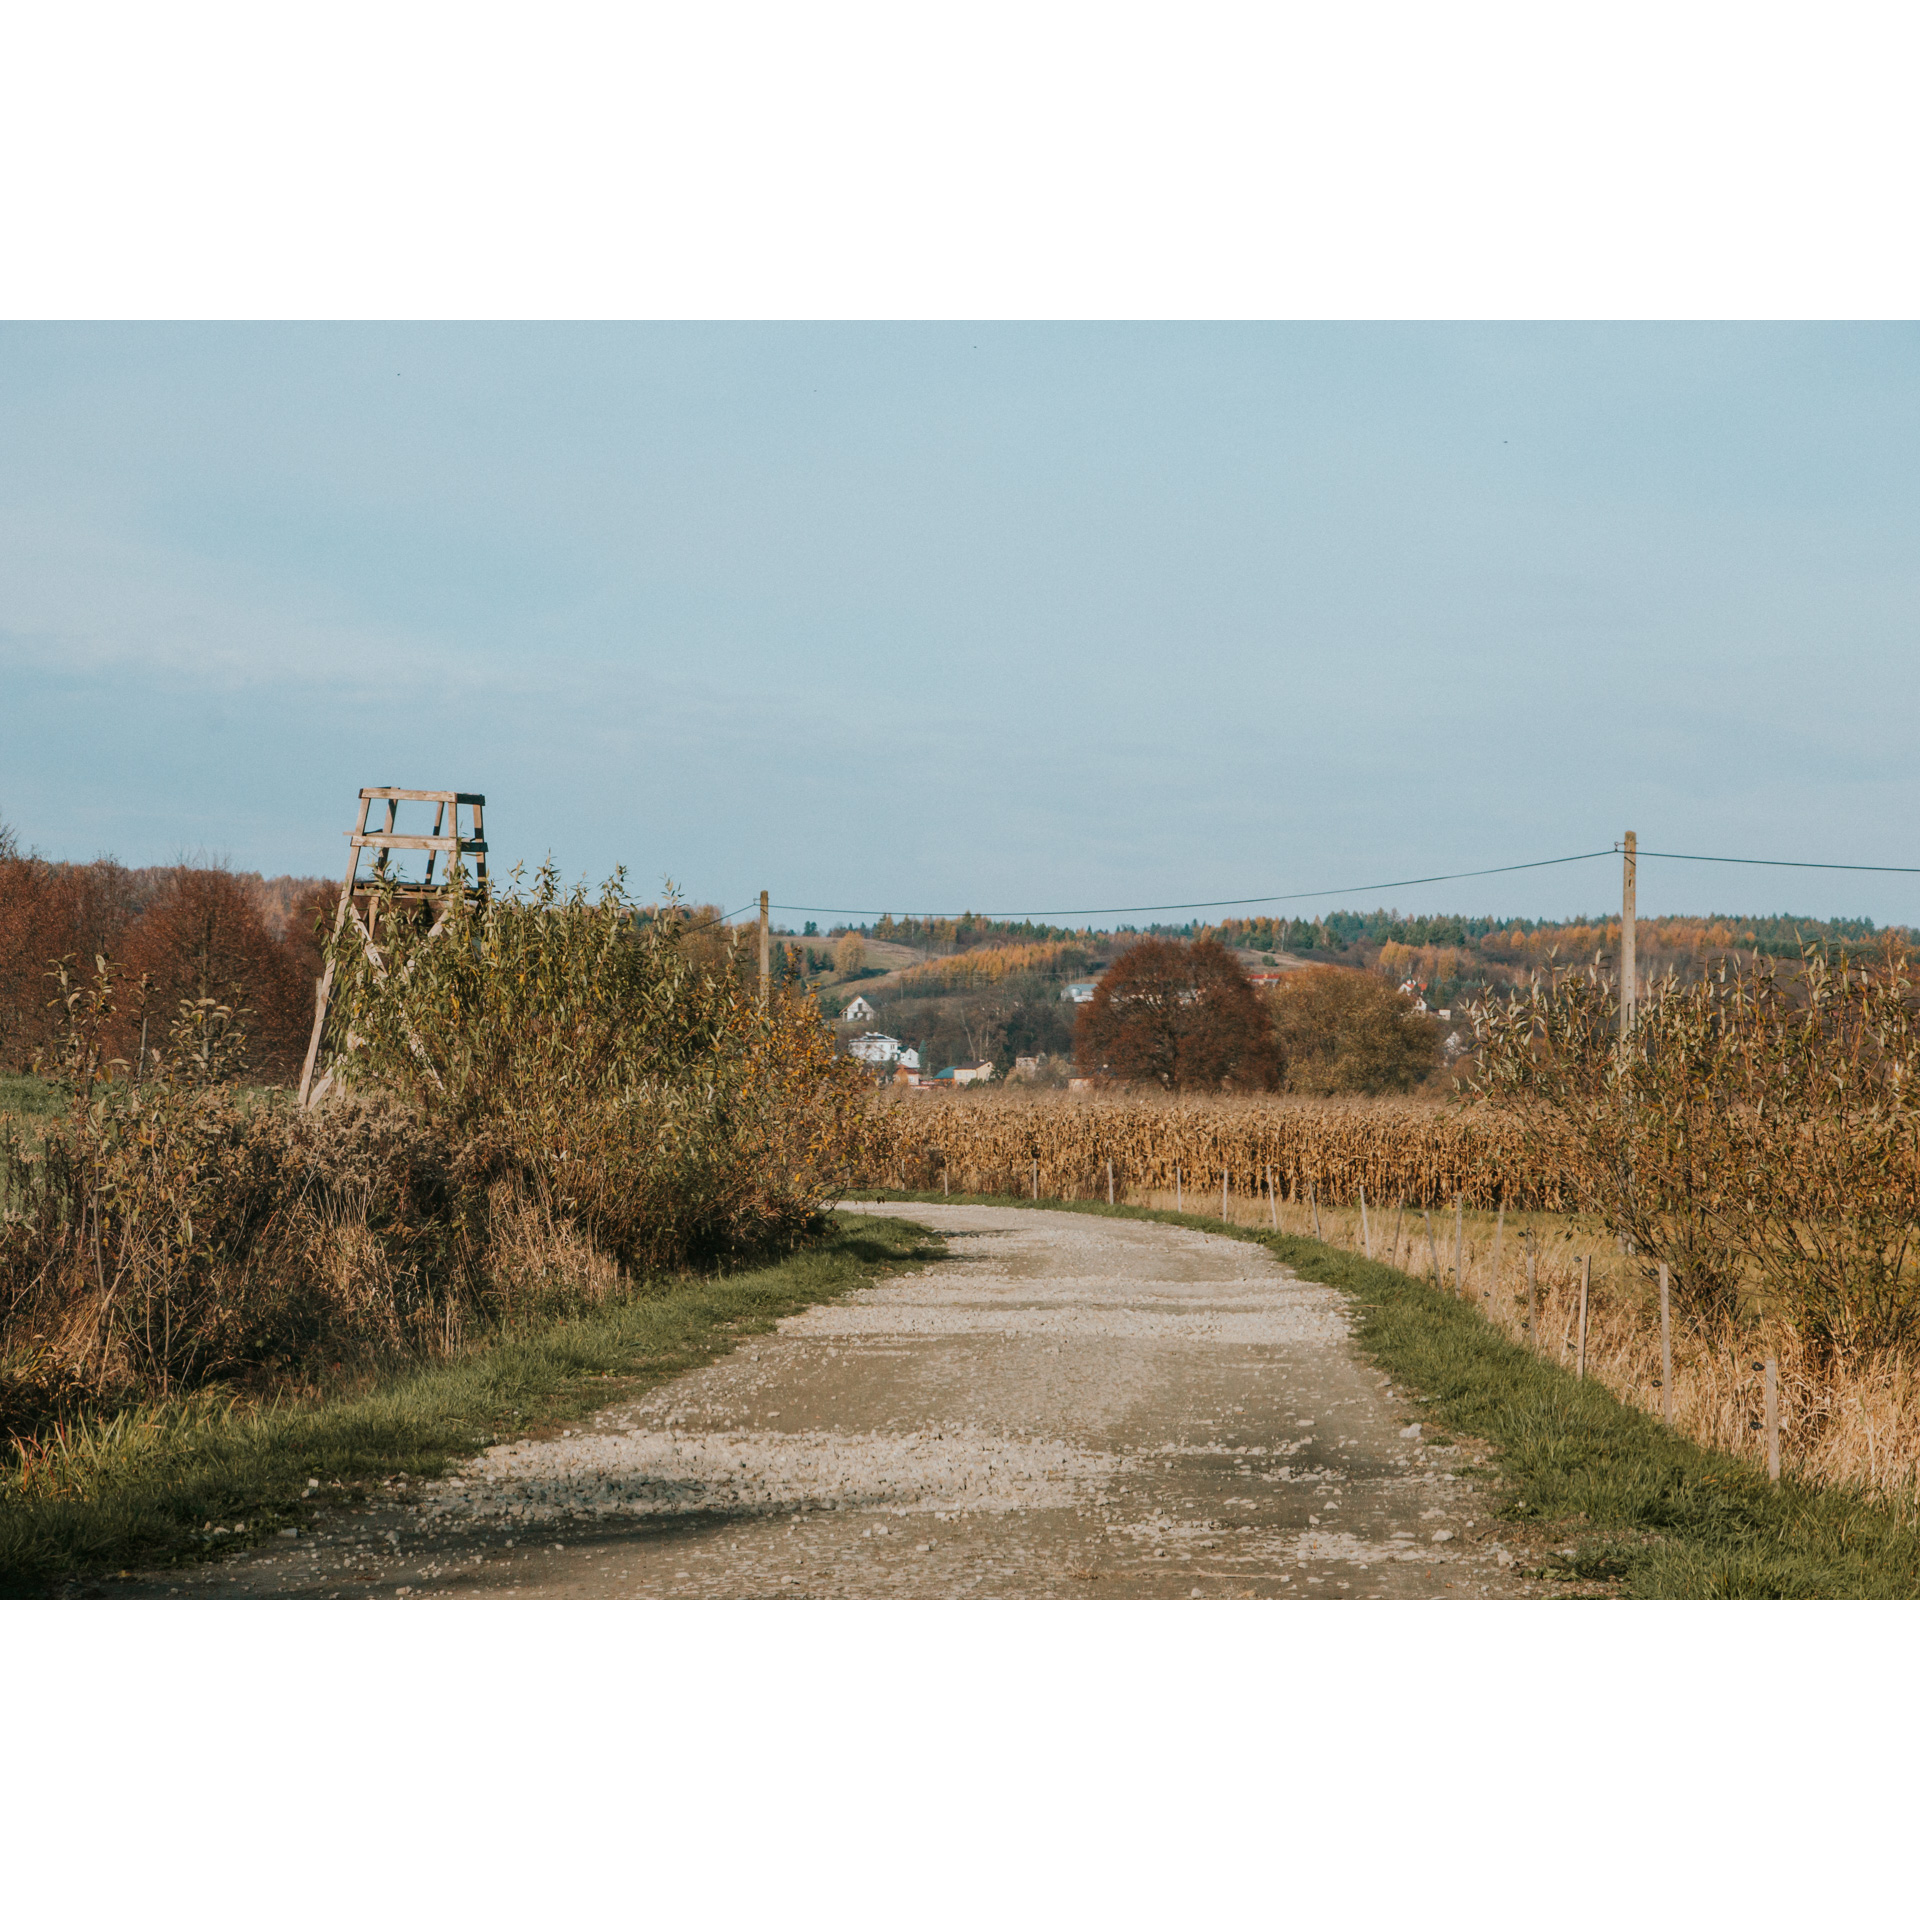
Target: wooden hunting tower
[(361, 898)]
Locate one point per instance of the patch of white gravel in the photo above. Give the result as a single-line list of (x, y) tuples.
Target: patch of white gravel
[(1263, 1326), (592, 1476)]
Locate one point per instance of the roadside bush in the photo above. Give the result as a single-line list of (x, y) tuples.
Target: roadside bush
[(175, 1234), (549, 1099), (1760, 1134), (580, 1047)]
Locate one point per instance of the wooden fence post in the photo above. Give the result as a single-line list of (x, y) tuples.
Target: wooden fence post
[(1773, 1419), (1499, 1227), (1459, 1246), (1036, 1176), (945, 1189), (1666, 1348), (1533, 1297), (1313, 1199), (1433, 1252), (1179, 1204), (1399, 1221), (1273, 1209), (1366, 1232), (1586, 1275), (1223, 1193), (1109, 1179)]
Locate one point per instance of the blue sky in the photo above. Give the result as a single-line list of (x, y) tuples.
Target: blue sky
[(1004, 617)]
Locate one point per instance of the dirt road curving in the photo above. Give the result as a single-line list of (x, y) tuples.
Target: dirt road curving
[(1069, 1405)]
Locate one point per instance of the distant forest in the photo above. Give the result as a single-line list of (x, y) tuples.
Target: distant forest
[(242, 939), (991, 989)]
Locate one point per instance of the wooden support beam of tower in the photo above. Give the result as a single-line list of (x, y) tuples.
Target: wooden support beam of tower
[(466, 857)]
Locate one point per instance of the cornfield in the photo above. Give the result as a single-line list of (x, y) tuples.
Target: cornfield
[(1854, 1424), (1399, 1150)]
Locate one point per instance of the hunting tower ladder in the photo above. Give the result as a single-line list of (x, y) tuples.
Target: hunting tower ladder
[(360, 899)]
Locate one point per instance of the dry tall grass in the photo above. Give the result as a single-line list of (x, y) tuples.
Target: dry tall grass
[(1851, 1425), (289, 1247)]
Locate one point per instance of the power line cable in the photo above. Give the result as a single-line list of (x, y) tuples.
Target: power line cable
[(1194, 906), (1736, 860), (1331, 893)]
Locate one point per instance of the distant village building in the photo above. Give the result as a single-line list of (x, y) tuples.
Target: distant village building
[(859, 1008), (1026, 1065), (1078, 992), (883, 1050), (964, 1076)]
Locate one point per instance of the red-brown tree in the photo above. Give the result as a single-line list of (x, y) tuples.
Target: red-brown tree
[(203, 937), (1180, 1014)]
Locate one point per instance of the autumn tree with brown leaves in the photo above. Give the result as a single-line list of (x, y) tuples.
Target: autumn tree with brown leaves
[(1179, 1014), (1343, 1031)]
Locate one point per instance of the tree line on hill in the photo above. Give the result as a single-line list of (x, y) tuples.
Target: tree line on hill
[(191, 934)]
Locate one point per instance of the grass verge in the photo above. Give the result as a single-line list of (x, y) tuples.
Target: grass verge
[(1649, 1513), (142, 1490)]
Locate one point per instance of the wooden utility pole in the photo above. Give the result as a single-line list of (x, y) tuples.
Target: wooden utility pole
[(766, 970), (1586, 1279), (1628, 978), (1666, 1346), (1772, 1405)]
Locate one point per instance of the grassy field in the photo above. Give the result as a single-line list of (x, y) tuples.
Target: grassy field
[(145, 1489), (1648, 1513), (28, 1102)]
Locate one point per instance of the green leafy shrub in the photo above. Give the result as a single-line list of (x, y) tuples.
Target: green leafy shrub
[(581, 1047)]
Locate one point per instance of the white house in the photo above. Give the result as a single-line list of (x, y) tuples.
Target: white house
[(858, 1008), (876, 1049), (1078, 992)]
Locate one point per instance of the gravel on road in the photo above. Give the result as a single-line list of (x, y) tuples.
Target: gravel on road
[(1068, 1405)]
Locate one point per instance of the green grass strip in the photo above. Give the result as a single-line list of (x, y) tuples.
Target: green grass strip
[(140, 1490), (1651, 1512)]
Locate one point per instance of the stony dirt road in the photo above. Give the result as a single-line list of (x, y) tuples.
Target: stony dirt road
[(1067, 1406)]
